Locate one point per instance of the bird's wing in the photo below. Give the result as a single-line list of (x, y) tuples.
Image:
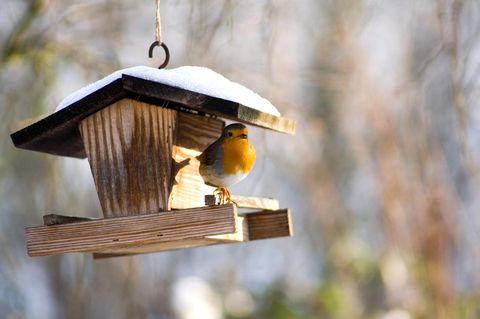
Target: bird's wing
[(209, 156)]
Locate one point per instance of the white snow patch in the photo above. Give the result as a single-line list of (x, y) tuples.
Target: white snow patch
[(193, 78)]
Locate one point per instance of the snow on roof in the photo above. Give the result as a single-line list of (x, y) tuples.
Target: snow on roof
[(193, 78)]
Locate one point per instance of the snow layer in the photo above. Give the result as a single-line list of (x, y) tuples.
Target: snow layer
[(192, 78)]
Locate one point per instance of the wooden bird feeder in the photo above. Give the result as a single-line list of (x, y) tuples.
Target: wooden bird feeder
[(141, 138)]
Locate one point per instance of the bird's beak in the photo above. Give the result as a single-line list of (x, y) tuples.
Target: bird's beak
[(244, 136)]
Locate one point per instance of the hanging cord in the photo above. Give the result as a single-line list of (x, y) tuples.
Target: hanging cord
[(158, 24), (158, 38)]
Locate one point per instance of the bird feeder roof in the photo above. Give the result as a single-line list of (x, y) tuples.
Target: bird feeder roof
[(189, 89)]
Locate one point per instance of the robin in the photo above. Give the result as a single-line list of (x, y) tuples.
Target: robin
[(228, 160)]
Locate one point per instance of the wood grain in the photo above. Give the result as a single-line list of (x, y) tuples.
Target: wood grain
[(256, 202), (156, 232), (269, 224), (189, 188), (132, 231), (129, 146), (241, 235), (246, 202), (195, 133)]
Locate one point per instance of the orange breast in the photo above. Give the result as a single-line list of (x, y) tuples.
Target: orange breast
[(238, 156)]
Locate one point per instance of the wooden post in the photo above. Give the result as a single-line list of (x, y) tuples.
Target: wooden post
[(129, 147)]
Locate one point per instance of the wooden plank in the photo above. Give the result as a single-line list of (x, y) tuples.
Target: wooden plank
[(129, 146), (248, 115), (250, 226), (197, 132), (241, 235), (131, 231), (269, 224), (256, 202), (246, 202), (208, 104), (256, 226)]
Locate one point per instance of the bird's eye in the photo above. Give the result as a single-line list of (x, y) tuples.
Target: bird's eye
[(230, 134)]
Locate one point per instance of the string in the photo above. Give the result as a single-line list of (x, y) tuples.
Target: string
[(158, 26)]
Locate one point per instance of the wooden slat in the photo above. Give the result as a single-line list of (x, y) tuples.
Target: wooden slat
[(256, 226), (241, 235), (269, 224), (129, 146), (131, 231), (197, 132), (250, 226), (256, 202), (207, 104), (246, 202)]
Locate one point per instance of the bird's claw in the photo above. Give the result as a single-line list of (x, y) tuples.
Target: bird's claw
[(224, 196)]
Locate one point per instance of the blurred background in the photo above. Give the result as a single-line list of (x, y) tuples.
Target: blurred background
[(382, 176)]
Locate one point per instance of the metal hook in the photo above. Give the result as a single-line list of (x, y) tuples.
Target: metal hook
[(165, 48)]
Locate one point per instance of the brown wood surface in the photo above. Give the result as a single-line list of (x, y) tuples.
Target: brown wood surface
[(241, 235), (197, 132), (140, 234), (256, 226), (131, 231), (129, 146), (269, 224)]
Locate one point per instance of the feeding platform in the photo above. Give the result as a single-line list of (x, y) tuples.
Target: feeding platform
[(141, 130)]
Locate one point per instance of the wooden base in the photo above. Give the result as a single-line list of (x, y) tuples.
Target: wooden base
[(156, 232)]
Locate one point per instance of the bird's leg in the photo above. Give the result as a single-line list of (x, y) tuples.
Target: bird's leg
[(228, 197), (224, 196), (218, 192)]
